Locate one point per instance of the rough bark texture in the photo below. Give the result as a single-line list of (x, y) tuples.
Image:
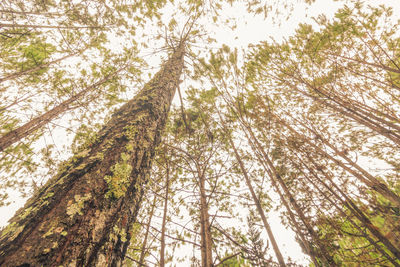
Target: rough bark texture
[(82, 216)]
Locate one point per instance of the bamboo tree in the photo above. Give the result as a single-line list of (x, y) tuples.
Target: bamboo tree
[(100, 190)]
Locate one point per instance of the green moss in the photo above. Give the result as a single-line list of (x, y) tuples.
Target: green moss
[(123, 235), (26, 212), (118, 182), (78, 205), (64, 233), (81, 154), (81, 167), (130, 131), (54, 229), (140, 116), (9, 228), (117, 231), (151, 135), (129, 147), (98, 156), (49, 195), (108, 144), (49, 232), (143, 98)]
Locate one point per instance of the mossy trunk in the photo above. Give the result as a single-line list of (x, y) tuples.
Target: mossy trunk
[(83, 215)]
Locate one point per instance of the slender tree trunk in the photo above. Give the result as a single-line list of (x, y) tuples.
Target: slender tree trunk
[(33, 125), (83, 215), (309, 250), (352, 207), (45, 65), (380, 66), (255, 146), (276, 178), (17, 101), (351, 113), (362, 175), (12, 25), (146, 234), (164, 220), (205, 231), (260, 210)]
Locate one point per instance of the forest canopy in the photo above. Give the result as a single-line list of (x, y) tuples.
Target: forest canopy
[(158, 132)]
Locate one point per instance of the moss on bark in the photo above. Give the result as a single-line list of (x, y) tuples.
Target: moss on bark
[(83, 215)]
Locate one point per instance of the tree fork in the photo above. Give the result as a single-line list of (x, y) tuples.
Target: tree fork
[(82, 216)]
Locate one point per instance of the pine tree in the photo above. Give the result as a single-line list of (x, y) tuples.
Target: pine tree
[(84, 214)]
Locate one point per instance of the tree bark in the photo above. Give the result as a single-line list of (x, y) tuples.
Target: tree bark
[(206, 244), (83, 215), (164, 219), (146, 234)]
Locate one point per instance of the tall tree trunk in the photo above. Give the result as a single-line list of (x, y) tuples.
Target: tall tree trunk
[(310, 250), (277, 179), (83, 215), (164, 219), (146, 234), (260, 210), (33, 125), (205, 231), (361, 174), (42, 66), (352, 207)]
